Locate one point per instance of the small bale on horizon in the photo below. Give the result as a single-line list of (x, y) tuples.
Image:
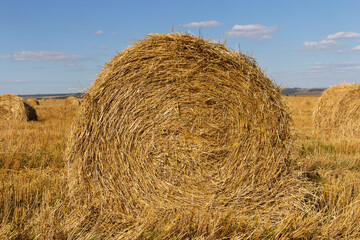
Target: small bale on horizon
[(72, 101), (13, 107), (33, 101)]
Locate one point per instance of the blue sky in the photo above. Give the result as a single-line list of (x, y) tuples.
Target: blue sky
[(60, 46)]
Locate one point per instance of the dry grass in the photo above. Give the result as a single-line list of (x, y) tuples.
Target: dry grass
[(302, 111), (36, 144), (35, 201), (32, 169)]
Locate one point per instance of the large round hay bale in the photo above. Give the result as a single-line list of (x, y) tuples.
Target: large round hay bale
[(337, 114), (13, 107), (32, 101), (177, 122), (72, 101)]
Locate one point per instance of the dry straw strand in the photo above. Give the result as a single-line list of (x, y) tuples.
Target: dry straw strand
[(175, 130)]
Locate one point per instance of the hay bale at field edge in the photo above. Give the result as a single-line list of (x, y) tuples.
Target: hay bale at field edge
[(337, 114), (72, 101), (32, 101), (177, 123), (13, 107)]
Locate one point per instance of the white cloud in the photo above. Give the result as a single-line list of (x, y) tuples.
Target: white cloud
[(5, 56), (252, 31), (113, 33), (203, 24), (320, 74), (99, 32), (325, 67), (342, 35), (330, 43), (42, 56), (99, 46), (321, 45)]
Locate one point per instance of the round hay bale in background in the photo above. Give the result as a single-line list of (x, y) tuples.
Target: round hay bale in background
[(337, 113), (72, 101), (177, 121), (33, 101), (13, 107)]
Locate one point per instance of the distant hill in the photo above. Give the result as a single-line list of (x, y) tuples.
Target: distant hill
[(303, 91), (52, 96)]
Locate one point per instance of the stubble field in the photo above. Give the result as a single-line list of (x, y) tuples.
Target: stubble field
[(33, 177)]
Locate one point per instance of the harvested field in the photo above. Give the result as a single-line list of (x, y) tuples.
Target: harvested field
[(34, 187)]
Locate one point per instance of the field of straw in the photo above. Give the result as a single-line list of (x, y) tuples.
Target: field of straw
[(33, 181), (212, 151)]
